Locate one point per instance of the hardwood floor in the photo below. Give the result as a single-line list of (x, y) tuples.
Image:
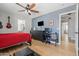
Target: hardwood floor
[(44, 49), (78, 52)]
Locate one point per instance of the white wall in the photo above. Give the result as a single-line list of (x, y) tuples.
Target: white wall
[(71, 27), (28, 24), (14, 22), (4, 19)]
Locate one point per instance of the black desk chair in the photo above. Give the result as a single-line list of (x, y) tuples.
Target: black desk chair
[(54, 37), (49, 36)]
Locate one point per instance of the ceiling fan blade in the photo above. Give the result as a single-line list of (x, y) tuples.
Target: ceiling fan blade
[(21, 10), (32, 6), (20, 5), (34, 11)]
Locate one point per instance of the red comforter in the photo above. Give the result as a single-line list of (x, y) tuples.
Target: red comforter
[(11, 39)]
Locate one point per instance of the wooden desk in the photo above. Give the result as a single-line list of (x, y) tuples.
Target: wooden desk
[(12, 50)]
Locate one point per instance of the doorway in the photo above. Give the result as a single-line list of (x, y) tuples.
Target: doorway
[(67, 36), (64, 34)]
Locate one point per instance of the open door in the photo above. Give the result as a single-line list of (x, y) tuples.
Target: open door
[(67, 36)]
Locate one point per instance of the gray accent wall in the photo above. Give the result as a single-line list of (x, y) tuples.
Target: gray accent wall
[(51, 16)]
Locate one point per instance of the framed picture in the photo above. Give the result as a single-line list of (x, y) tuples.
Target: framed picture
[(51, 22)]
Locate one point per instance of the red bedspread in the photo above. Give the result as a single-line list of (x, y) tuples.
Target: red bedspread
[(11, 39)]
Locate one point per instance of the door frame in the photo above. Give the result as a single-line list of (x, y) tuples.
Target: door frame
[(61, 23), (76, 33), (76, 41)]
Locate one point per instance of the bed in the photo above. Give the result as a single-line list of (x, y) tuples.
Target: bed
[(11, 39)]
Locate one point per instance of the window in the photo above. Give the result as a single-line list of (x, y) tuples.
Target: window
[(21, 25)]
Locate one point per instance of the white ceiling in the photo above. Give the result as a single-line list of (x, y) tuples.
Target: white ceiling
[(43, 8)]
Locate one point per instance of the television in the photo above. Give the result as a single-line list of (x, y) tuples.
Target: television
[(41, 23)]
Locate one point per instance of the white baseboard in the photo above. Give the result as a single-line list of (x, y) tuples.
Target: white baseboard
[(58, 44), (72, 38)]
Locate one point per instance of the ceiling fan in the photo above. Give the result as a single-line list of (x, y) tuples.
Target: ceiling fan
[(28, 8)]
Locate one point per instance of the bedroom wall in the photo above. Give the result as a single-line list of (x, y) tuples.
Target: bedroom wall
[(71, 27), (28, 22), (51, 16), (4, 20), (14, 22), (78, 26)]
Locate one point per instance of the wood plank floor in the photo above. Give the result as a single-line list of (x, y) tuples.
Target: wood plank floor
[(44, 49), (78, 52)]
